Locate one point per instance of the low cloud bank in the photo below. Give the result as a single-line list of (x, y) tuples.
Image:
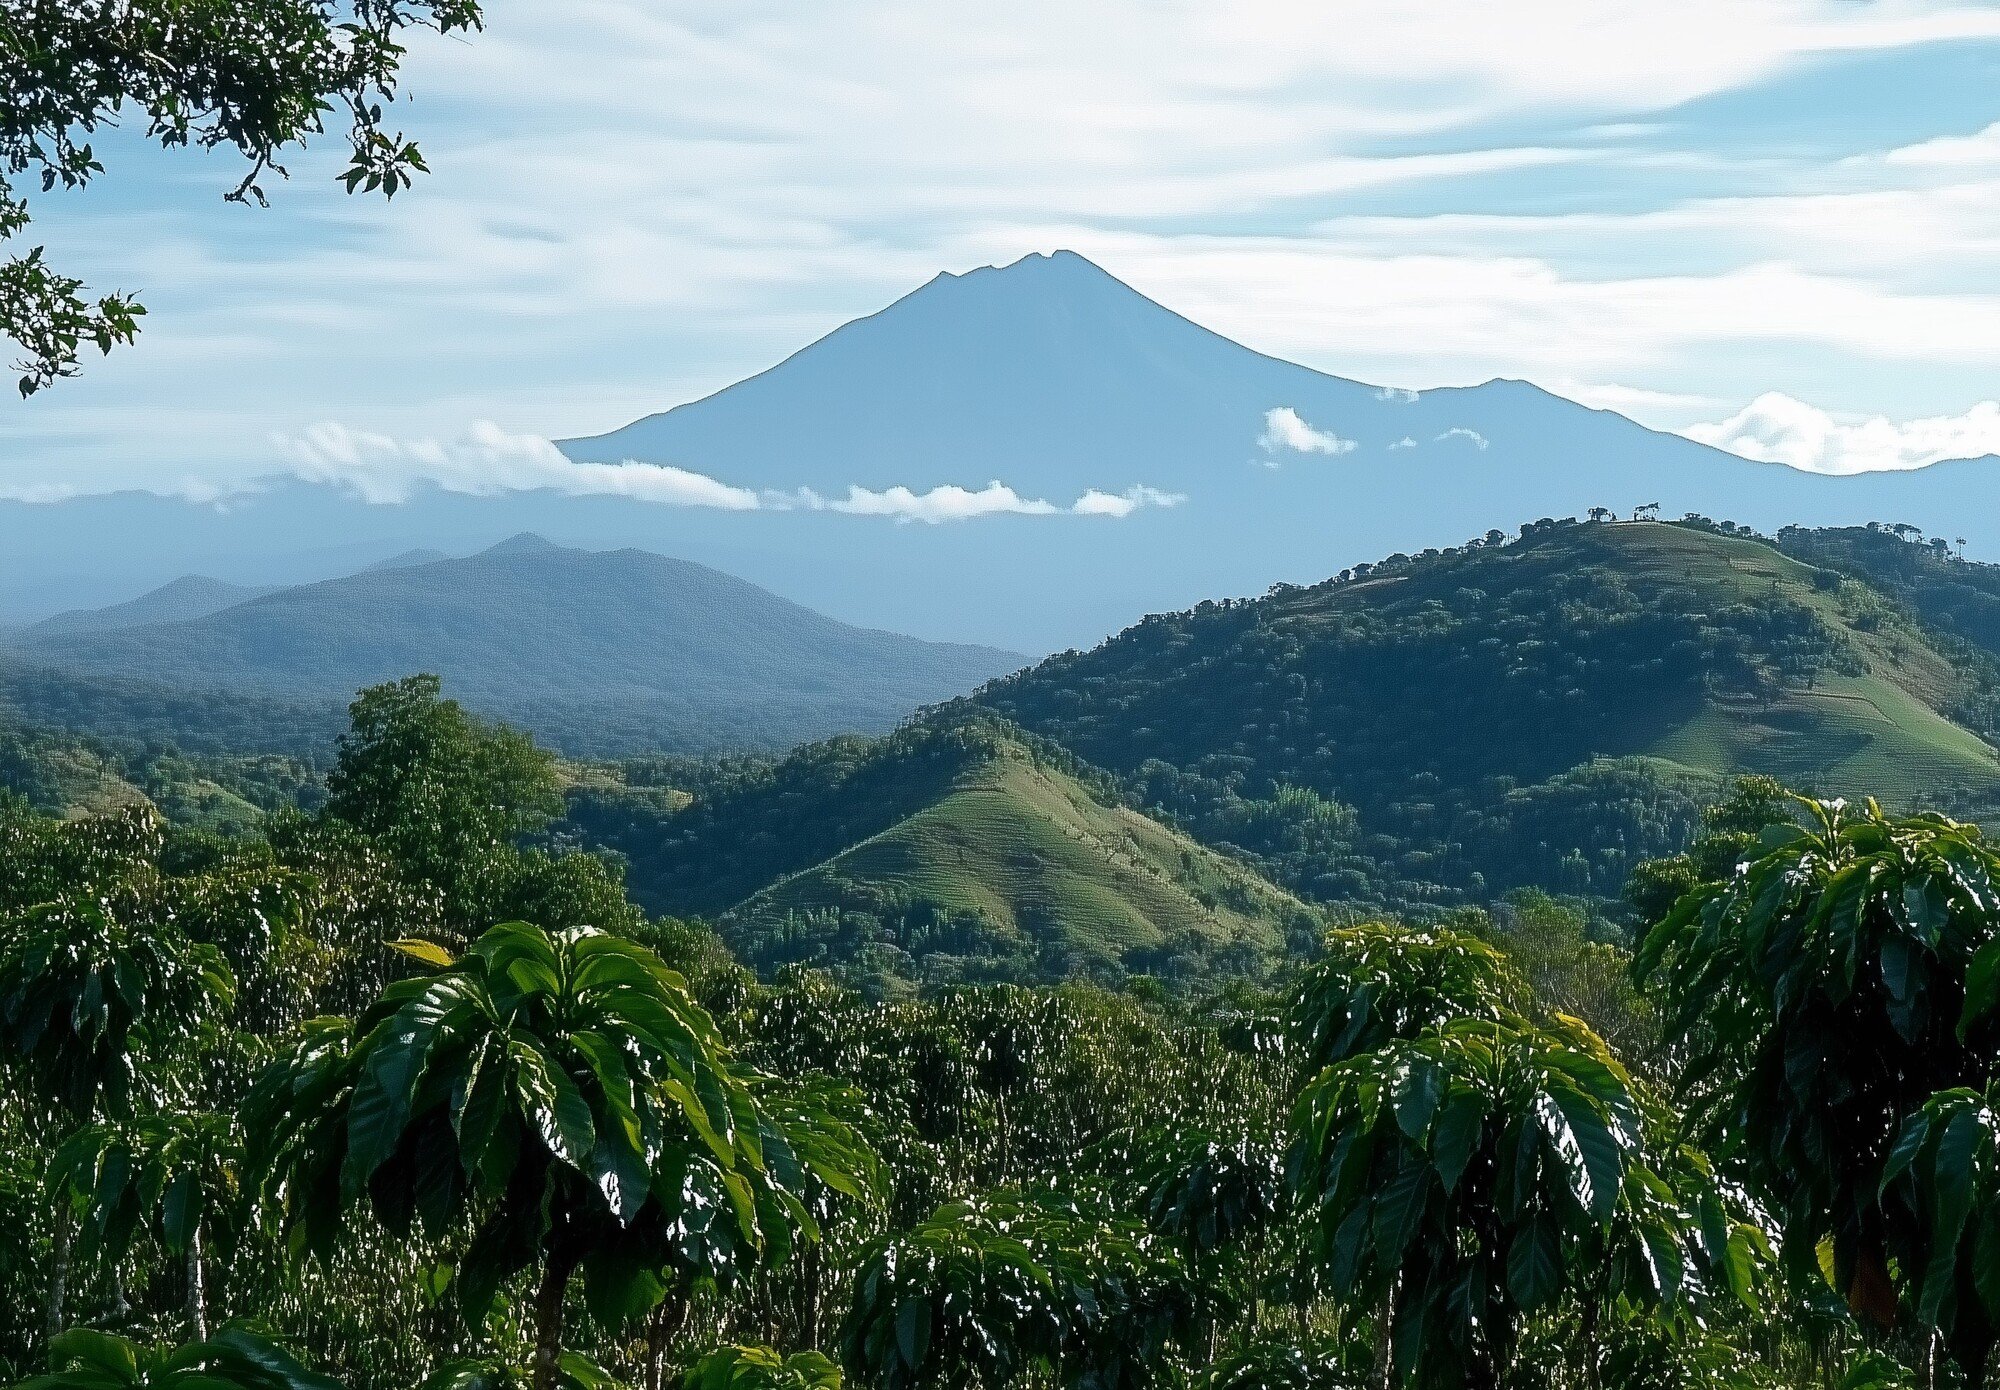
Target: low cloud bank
[(488, 460), (1776, 428)]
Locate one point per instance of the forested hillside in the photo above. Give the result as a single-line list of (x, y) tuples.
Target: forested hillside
[(947, 852), (1545, 711)]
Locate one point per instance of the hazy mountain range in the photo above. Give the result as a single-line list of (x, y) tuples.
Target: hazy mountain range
[(617, 651), (1060, 383)]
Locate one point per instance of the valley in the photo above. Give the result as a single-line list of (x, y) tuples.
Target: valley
[(1416, 736)]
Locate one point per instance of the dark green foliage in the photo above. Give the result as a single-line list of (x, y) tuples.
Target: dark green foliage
[(126, 713), (1284, 1363), (1818, 1000), (761, 1368), (1380, 983), (1941, 1198), (1469, 1179), (160, 1174), (1729, 835), (566, 1095), (91, 985), (235, 1359), (440, 793), (1007, 1286), (574, 1371), (1927, 576)]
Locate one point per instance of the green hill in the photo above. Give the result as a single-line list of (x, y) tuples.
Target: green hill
[(596, 653), (945, 852), (1544, 711)]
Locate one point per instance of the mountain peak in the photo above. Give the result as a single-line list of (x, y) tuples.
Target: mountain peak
[(523, 543), (1038, 274)]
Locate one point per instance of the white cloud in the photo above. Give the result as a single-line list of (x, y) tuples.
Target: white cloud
[(1776, 428), (1981, 149), (1404, 443), (1095, 503), (953, 503), (1402, 395), (488, 460), (1286, 432), (1472, 437)]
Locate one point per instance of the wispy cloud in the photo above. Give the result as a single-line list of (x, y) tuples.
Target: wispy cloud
[(1776, 428), (1458, 432), (1400, 395), (1095, 503), (1286, 432)]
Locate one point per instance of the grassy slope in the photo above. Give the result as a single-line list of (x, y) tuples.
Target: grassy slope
[(1878, 732), (1034, 853)]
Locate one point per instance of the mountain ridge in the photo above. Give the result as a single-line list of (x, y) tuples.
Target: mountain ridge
[(1053, 378), (596, 651)]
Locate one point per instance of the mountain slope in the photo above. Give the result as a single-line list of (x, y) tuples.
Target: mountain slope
[(1051, 377), (947, 852), (1464, 705), (181, 600), (598, 652)]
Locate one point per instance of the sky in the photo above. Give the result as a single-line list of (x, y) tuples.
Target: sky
[(1771, 224)]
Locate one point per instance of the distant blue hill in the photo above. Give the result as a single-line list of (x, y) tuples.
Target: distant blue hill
[(190, 596), (1052, 377), (598, 653)]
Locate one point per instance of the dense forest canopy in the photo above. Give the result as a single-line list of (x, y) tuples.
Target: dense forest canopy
[(403, 1091)]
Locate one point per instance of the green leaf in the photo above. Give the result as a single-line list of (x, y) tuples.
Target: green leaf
[(913, 1330), (1986, 1260), (1416, 1096), (1399, 1208), (181, 1211), (428, 952), (1982, 986), (1592, 1161), (1457, 1135), (1534, 1264), (620, 1284), (552, 1104)]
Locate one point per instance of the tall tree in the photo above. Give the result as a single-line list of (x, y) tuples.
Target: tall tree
[(444, 795)]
